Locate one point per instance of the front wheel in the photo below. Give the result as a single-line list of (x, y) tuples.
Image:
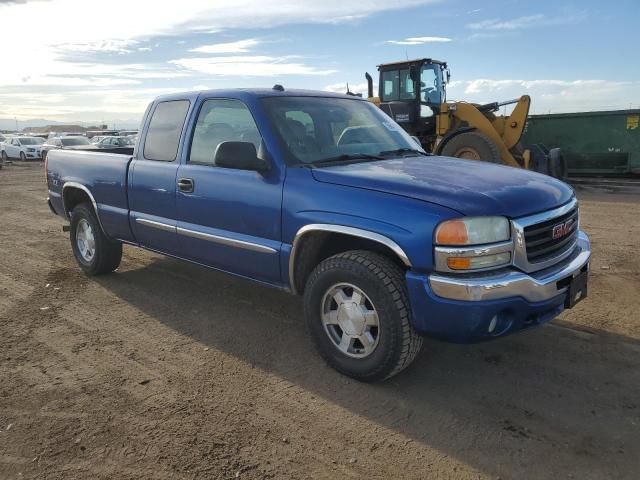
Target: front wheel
[(358, 313), (23, 157), (94, 251)]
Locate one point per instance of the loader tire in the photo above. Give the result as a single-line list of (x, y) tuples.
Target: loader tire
[(472, 146)]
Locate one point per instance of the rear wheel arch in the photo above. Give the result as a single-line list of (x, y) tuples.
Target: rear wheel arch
[(73, 194), (317, 242)]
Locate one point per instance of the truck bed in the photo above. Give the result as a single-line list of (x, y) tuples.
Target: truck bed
[(103, 174)]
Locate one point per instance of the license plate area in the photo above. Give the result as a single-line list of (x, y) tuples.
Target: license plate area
[(577, 288)]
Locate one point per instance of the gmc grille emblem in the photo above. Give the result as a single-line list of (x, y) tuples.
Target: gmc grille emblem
[(562, 229)]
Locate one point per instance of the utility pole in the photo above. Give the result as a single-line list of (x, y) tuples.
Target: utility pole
[(16, 119)]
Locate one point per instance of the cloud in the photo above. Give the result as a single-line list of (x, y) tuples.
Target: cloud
[(78, 53), (248, 66), (419, 40), (549, 95), (513, 24), (528, 21), (240, 46)]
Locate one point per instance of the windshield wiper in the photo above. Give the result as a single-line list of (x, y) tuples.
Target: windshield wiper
[(400, 151), (347, 157)]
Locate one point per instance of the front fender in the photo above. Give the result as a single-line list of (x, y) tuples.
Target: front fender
[(403, 224)]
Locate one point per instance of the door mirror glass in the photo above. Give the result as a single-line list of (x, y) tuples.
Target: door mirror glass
[(239, 155)]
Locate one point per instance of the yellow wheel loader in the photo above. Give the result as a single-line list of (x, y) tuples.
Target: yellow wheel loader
[(413, 93)]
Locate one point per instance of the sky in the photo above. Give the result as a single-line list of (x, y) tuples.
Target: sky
[(89, 61)]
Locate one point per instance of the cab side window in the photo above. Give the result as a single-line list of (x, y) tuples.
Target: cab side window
[(165, 128), (390, 85), (221, 120)]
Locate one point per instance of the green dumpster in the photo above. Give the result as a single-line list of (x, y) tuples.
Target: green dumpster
[(593, 143)]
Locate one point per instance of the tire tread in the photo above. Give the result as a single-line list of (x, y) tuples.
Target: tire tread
[(392, 279)]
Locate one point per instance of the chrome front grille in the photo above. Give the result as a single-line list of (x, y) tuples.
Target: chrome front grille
[(539, 238), (535, 247)]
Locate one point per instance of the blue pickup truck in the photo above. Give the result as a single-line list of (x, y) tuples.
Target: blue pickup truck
[(325, 196)]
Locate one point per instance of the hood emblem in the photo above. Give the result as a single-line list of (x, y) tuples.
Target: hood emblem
[(562, 229)]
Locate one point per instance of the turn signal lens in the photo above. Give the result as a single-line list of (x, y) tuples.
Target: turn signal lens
[(473, 263), (453, 232), (459, 263)]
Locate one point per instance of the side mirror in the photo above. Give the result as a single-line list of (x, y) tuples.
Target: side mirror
[(239, 155)]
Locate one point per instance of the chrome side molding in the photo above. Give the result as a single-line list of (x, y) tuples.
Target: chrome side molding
[(159, 225), (231, 242)]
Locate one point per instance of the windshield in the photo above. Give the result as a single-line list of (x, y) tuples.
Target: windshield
[(71, 142), (28, 141), (316, 129)]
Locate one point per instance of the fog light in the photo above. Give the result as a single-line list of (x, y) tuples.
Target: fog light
[(493, 323)]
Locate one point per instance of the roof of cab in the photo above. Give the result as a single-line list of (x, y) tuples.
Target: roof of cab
[(246, 93)]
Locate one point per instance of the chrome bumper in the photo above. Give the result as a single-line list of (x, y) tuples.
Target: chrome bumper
[(534, 287)]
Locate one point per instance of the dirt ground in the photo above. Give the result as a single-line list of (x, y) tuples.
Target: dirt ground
[(168, 370)]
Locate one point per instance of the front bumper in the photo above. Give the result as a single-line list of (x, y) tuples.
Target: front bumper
[(466, 308)]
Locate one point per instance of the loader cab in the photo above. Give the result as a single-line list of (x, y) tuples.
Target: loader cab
[(412, 92)]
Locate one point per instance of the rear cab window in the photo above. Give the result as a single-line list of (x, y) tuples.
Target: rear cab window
[(165, 128)]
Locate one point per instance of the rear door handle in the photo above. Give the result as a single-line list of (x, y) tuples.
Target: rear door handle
[(185, 185)]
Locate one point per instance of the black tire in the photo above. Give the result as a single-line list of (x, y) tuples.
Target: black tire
[(557, 164), (5, 157), (44, 156), (107, 253), (473, 146), (383, 283), (23, 157)]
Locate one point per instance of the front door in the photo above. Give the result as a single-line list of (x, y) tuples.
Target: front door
[(228, 219)]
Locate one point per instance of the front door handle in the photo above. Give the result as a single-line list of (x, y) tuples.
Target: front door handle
[(185, 185)]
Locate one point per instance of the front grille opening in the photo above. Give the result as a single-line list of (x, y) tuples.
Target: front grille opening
[(539, 238)]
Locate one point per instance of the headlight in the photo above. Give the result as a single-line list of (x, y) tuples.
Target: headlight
[(473, 243), (31, 149), (473, 231)]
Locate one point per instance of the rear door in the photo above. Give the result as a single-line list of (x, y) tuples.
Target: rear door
[(152, 177), (227, 218)]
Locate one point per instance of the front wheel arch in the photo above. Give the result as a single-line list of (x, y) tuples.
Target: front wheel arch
[(317, 242)]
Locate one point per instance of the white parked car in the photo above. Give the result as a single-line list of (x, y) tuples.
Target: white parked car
[(21, 147)]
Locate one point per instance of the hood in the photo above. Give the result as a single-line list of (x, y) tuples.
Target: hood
[(470, 187)]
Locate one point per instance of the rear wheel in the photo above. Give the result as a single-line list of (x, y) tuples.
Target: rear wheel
[(472, 146), (357, 309), (95, 253)]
